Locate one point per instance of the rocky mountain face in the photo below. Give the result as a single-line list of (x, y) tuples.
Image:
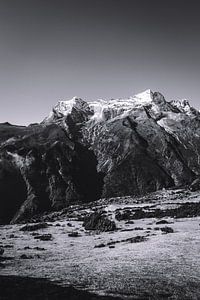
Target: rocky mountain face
[(87, 150), (41, 169)]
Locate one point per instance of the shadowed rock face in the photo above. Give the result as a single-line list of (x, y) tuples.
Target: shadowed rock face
[(12, 190), (88, 182), (44, 170), (85, 151)]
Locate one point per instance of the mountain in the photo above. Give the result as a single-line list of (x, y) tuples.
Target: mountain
[(87, 150)]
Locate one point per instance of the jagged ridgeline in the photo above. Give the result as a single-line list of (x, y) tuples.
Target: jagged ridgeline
[(87, 150)]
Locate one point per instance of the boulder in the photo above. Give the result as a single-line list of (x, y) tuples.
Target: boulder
[(33, 227), (99, 221)]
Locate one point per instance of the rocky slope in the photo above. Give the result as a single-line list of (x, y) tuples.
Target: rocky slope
[(41, 169), (141, 144), (86, 150)]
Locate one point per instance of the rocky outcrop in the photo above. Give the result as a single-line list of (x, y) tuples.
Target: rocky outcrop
[(33, 227), (87, 150), (99, 221)]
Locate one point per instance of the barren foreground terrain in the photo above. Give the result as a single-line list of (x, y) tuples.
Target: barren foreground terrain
[(150, 248)]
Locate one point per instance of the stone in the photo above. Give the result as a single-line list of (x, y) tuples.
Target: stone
[(99, 221), (33, 227), (44, 237), (73, 234), (167, 229)]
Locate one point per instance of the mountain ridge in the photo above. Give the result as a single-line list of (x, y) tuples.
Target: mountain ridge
[(87, 150), (63, 108)]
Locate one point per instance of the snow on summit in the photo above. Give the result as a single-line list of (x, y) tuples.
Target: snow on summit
[(102, 110), (119, 107), (144, 97)]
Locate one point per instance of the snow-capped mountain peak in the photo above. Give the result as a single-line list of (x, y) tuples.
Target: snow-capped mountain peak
[(102, 110), (144, 97), (64, 108)]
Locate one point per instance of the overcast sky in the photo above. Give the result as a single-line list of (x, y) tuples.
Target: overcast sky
[(54, 50)]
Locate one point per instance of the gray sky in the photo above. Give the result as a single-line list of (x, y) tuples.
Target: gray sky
[(54, 50)]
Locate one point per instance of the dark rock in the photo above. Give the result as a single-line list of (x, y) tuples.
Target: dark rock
[(113, 243), (73, 234), (6, 258), (27, 248), (34, 233), (136, 239), (167, 229), (39, 248), (185, 210), (1, 251), (24, 256), (44, 237), (127, 229), (124, 215), (12, 236), (8, 246), (130, 222), (33, 227), (162, 222), (99, 221), (100, 246)]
